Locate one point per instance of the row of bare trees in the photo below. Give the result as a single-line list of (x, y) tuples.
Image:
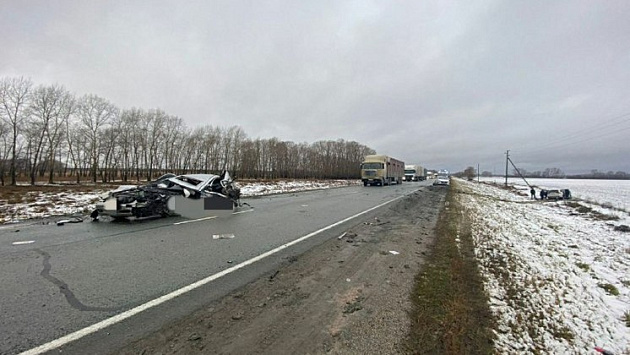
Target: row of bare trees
[(46, 131)]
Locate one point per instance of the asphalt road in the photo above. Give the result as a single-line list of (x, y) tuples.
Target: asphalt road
[(91, 282)]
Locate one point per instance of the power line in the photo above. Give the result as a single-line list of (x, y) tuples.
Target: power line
[(583, 135), (556, 145)]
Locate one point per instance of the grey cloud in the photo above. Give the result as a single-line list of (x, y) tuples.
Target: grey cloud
[(443, 84)]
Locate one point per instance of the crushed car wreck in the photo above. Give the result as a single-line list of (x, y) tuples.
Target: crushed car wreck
[(189, 195)]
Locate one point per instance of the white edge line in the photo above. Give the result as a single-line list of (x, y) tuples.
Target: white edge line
[(158, 301)]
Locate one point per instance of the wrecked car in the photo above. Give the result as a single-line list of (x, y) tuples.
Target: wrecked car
[(188, 195)]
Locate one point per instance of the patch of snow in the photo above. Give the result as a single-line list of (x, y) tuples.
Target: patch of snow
[(278, 187), (551, 273)]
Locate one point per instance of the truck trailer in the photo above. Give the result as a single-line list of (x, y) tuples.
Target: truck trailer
[(382, 170), (415, 173)]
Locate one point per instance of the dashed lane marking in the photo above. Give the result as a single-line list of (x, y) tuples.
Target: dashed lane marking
[(23, 242), (246, 211), (195, 220)]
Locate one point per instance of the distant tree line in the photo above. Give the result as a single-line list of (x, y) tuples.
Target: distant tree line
[(468, 173), (557, 173), (547, 173), (48, 132), (595, 174)]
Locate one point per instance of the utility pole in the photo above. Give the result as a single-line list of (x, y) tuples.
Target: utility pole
[(507, 158), (477, 172)]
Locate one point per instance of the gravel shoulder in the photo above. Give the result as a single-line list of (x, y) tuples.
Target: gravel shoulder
[(348, 295)]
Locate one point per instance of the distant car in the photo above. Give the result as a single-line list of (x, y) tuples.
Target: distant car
[(554, 195), (441, 180)]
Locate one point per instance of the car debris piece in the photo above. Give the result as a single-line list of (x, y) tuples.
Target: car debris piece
[(273, 276), (222, 236), (188, 195)]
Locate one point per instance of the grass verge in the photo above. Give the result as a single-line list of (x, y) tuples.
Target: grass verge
[(451, 313)]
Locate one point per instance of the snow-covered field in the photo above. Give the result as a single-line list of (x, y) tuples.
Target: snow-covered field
[(558, 273), (612, 192), (40, 204)]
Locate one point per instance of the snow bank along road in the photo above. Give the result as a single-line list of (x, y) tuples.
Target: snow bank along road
[(58, 280), (558, 273)]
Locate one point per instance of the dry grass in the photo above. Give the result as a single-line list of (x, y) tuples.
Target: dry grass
[(29, 194), (582, 209), (451, 313)]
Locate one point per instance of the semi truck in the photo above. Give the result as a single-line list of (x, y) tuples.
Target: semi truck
[(415, 173), (382, 170)]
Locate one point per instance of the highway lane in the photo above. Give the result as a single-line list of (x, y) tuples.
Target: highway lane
[(70, 277)]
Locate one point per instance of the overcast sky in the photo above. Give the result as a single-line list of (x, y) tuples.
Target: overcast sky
[(439, 83)]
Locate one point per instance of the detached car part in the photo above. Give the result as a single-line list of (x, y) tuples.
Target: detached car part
[(189, 195)]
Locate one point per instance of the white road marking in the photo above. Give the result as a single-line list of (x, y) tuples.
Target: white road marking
[(23, 242), (57, 343), (239, 212), (194, 220)]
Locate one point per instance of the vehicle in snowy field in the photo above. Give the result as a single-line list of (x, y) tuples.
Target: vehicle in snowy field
[(189, 195), (563, 194), (415, 173), (381, 170)]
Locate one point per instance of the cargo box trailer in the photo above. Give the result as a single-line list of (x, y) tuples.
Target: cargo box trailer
[(382, 170)]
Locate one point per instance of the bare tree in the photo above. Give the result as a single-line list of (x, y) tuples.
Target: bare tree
[(50, 107), (211, 148), (153, 126), (110, 144), (77, 147), (172, 134), (56, 131), (33, 134), (129, 121), (95, 114), (5, 149), (470, 173), (14, 98)]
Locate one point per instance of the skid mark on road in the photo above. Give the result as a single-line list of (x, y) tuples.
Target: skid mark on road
[(65, 290)]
